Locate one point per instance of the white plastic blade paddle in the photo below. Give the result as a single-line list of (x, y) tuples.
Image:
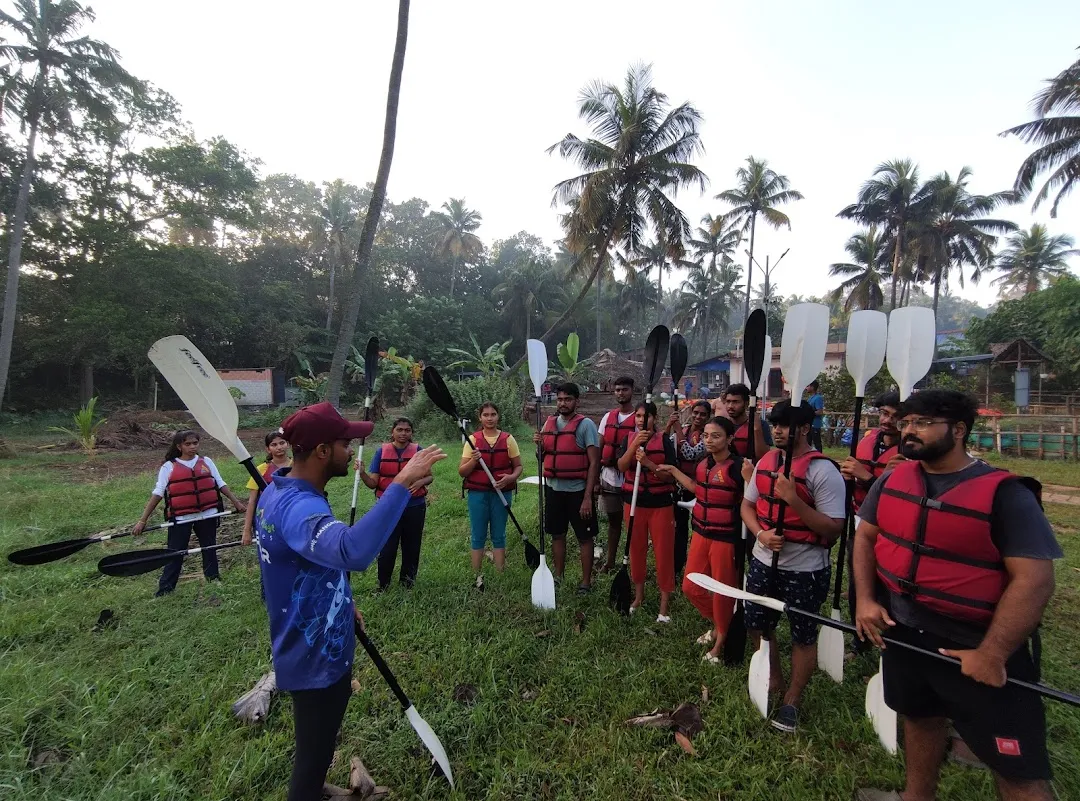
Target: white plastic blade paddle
[(533, 480), (431, 742), (831, 650), (865, 352), (802, 353), (758, 681), (543, 586), (538, 364), (883, 718), (912, 336), (195, 380)]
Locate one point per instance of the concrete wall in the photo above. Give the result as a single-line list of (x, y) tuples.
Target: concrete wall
[(257, 385)]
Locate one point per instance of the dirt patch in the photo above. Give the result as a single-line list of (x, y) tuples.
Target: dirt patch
[(107, 466), (138, 429)]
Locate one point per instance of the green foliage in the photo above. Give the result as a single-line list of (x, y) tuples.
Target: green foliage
[(568, 367), (264, 419), (506, 393), (237, 393), (312, 386), (490, 361), (837, 387), (86, 427)]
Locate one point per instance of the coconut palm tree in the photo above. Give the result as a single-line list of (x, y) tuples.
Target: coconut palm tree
[(891, 199), (52, 71), (715, 241), (528, 291), (953, 231), (759, 191), (458, 243), (374, 211), (633, 164), (338, 214), (1033, 257), (868, 267), (708, 298), (1056, 130)]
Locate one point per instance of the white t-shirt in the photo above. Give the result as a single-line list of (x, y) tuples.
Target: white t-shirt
[(826, 486), (611, 476), (163, 481)]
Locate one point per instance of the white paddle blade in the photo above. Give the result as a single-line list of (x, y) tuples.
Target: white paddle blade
[(883, 718), (195, 380), (431, 742), (867, 334), (534, 480), (766, 366), (758, 680), (802, 353), (690, 504), (912, 336), (543, 586), (538, 364), (712, 585), (831, 650)]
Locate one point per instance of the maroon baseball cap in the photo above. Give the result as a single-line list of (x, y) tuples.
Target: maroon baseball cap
[(311, 426)]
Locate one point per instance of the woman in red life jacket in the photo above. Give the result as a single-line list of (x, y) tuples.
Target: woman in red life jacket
[(690, 448), (277, 456), (654, 516), (717, 486), (388, 461), (192, 488), (499, 451)]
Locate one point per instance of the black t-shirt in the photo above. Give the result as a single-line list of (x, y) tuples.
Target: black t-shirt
[(648, 500), (1018, 528)]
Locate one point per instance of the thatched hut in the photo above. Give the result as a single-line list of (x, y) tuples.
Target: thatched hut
[(605, 366)]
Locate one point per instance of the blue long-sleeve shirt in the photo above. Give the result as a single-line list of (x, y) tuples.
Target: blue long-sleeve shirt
[(304, 554)]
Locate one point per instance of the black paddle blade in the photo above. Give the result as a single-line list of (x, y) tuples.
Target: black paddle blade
[(371, 363), (656, 349), (532, 555), (679, 356), (135, 563), (437, 390), (51, 552), (754, 347), (620, 591)]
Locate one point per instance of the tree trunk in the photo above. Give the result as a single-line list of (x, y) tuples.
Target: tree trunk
[(660, 294), (18, 228), (573, 306), (749, 267), (330, 299), (1032, 283), (453, 264), (528, 325), (937, 289), (895, 267), (378, 197), (599, 280), (86, 383)]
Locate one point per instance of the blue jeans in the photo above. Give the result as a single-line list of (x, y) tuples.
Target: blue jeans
[(486, 511)]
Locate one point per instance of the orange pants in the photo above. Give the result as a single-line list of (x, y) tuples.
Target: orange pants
[(658, 524), (717, 560)]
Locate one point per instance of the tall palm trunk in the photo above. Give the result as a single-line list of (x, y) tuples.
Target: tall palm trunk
[(937, 286), (599, 280), (453, 265), (749, 267), (660, 294), (895, 267), (330, 299), (18, 228), (1032, 282), (374, 213), (708, 304)]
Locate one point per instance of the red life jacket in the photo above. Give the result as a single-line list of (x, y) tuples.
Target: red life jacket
[(651, 482), (740, 443), (563, 458), (689, 466), (938, 551), (615, 436), (864, 452), (768, 469), (191, 489), (496, 457), (390, 465), (719, 496)]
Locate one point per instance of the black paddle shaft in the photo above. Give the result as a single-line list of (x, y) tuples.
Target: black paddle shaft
[(540, 471), (491, 479), (384, 669), (849, 508)]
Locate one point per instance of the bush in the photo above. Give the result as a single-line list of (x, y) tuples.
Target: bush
[(267, 419), (507, 394), (838, 389)]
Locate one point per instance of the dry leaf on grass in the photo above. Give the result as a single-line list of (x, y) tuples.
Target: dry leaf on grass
[(356, 688), (579, 622), (544, 633), (684, 743), (704, 694)]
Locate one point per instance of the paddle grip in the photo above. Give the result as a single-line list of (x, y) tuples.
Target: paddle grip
[(384, 669)]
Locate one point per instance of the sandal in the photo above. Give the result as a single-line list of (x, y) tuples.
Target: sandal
[(706, 638), (663, 618), (711, 658)]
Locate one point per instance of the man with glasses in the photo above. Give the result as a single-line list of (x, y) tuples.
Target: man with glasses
[(955, 555)]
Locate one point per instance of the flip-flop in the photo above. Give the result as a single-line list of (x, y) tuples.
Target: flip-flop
[(706, 638), (711, 658)]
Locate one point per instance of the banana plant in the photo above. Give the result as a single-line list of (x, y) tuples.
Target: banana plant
[(568, 365)]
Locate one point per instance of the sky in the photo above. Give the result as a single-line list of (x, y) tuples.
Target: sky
[(824, 90)]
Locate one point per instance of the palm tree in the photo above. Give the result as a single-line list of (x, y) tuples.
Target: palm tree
[(459, 243), (869, 265), (374, 212), (954, 231), (528, 290), (1032, 257), (889, 199), (715, 240), (338, 213), (708, 297), (657, 254), (637, 159), (1057, 133), (578, 257), (638, 294), (52, 70), (759, 191)]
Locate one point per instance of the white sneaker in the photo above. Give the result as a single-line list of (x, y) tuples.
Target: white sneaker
[(663, 618)]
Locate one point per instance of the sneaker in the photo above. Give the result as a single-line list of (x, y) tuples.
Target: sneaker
[(786, 719), (584, 589), (479, 584)]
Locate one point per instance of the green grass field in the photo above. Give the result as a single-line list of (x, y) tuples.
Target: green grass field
[(141, 711)]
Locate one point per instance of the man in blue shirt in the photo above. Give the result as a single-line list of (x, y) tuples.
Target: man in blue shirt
[(305, 553), (817, 403)]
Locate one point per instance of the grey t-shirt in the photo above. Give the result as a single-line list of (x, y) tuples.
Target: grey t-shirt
[(1018, 528), (826, 486)]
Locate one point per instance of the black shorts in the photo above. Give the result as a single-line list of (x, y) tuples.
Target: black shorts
[(563, 509), (802, 590), (1005, 727)]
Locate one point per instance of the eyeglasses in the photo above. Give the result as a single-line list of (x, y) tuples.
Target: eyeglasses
[(919, 424)]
